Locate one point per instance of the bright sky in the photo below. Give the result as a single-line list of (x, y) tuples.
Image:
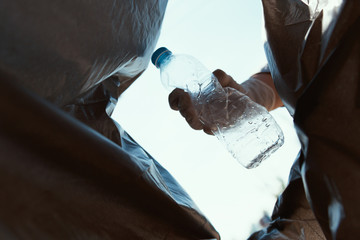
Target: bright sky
[(225, 34)]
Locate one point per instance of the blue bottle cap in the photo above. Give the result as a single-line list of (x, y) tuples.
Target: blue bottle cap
[(159, 56)]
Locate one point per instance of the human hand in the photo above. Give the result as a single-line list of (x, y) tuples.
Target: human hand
[(180, 101)]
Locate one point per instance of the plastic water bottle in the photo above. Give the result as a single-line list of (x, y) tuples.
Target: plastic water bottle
[(246, 128)]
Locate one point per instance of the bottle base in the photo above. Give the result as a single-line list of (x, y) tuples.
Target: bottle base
[(264, 155)]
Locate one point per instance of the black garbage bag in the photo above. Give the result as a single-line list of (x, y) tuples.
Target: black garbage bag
[(67, 170), (313, 50)]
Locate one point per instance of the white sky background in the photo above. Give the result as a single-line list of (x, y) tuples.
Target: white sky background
[(225, 34)]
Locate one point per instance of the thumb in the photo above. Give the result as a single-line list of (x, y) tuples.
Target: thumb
[(224, 79)]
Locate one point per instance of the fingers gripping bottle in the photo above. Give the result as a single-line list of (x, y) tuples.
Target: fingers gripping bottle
[(246, 128)]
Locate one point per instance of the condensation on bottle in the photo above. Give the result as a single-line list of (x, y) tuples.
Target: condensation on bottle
[(246, 129)]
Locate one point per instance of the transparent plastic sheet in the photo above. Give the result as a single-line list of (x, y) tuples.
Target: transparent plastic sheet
[(313, 51), (80, 56)]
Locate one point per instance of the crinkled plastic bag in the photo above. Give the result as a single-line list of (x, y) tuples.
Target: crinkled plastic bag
[(85, 179), (313, 54)]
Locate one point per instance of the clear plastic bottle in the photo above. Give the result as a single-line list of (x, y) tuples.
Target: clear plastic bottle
[(246, 128)]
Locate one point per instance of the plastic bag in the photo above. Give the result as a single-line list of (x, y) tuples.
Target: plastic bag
[(81, 180), (313, 53)]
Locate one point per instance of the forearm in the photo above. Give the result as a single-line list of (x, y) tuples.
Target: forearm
[(261, 89)]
